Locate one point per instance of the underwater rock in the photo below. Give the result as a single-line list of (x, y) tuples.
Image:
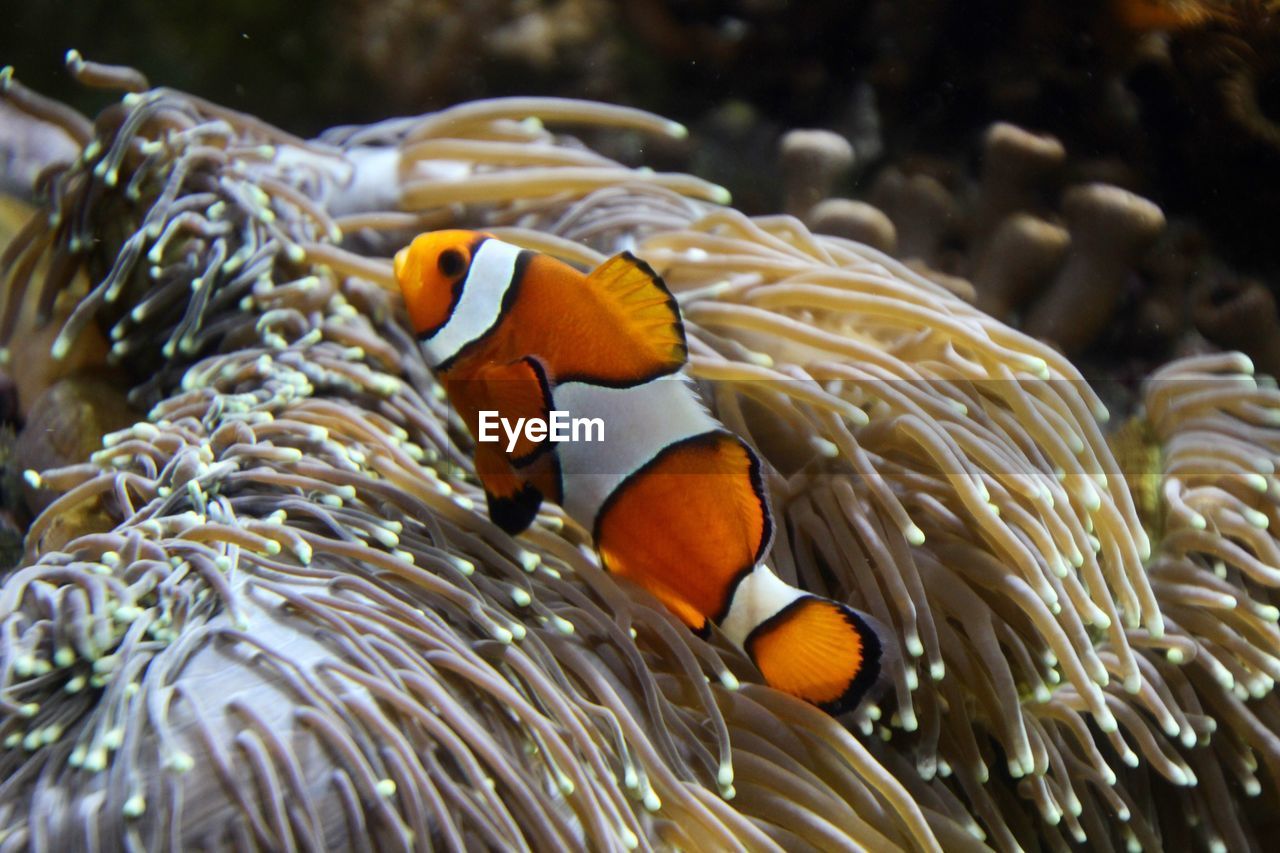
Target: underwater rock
[(66, 424), (1240, 313)]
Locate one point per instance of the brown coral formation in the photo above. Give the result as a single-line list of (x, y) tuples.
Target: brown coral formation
[(66, 424), (1057, 262), (812, 162), (1239, 313), (298, 588), (1111, 230)]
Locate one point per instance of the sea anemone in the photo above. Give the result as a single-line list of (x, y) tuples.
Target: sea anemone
[(285, 572), (282, 573)]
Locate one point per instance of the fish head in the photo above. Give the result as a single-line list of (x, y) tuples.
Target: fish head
[(432, 271)]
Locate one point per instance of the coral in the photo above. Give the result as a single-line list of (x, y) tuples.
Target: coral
[(1214, 571), (1017, 168), (297, 586), (27, 147), (812, 162), (1240, 314), (1022, 255), (854, 220), (67, 423), (938, 510), (1111, 230), (924, 214), (1062, 271)]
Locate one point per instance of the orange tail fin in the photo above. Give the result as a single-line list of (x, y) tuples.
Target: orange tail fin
[(822, 651)]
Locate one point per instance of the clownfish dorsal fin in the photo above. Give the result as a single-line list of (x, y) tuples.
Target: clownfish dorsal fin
[(643, 306)]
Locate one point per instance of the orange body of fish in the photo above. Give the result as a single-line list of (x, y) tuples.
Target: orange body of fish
[(1147, 15), (674, 501)]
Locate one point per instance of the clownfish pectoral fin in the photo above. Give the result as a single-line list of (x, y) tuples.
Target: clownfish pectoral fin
[(499, 401), (516, 394), (508, 495), (642, 307), (820, 650)]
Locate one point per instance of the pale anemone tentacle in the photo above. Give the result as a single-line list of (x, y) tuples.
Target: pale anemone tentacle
[(295, 519), (294, 526)]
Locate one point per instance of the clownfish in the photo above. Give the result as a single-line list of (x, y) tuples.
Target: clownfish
[(673, 500), (1143, 16)]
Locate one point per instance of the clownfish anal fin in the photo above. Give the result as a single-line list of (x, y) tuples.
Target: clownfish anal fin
[(514, 512), (513, 498), (820, 650), (514, 495), (644, 309)]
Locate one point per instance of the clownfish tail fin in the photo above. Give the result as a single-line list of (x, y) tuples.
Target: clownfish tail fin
[(819, 650)]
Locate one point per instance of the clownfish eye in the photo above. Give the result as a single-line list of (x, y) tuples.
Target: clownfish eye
[(451, 263)]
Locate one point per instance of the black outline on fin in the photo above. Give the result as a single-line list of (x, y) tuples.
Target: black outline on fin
[(514, 514), (648, 270), (544, 385), (872, 652)]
